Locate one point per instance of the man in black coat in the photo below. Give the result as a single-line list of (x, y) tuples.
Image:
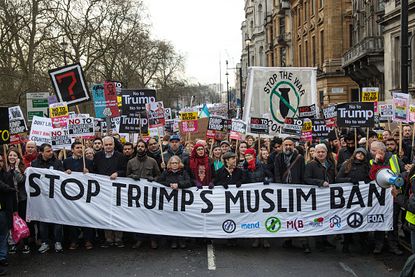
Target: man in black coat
[(346, 152), (289, 165), (110, 163), (47, 159), (229, 174)]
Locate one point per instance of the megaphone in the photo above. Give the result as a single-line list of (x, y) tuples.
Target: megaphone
[(386, 178)]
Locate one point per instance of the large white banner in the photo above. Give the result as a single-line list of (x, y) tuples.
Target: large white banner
[(278, 92), (253, 210)]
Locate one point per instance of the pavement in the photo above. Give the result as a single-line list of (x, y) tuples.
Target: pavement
[(202, 259)]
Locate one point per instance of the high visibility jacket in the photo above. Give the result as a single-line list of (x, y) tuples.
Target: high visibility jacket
[(393, 163), (410, 217)]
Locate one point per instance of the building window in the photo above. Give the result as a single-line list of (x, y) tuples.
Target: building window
[(313, 45), (321, 96), (306, 54), (396, 63), (322, 48)]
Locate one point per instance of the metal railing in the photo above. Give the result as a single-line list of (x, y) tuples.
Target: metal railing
[(364, 47)]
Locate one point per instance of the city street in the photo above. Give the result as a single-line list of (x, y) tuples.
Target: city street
[(197, 260)]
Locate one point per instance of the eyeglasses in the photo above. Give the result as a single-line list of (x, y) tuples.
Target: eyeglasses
[(200, 149)]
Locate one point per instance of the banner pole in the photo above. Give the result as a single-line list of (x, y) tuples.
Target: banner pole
[(367, 138), (211, 148), (413, 144), (77, 109), (236, 149), (19, 147), (389, 125), (355, 138), (5, 155), (160, 145), (64, 153), (259, 143), (400, 137), (83, 153)]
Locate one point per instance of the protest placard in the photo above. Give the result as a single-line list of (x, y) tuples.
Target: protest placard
[(40, 131), (330, 116), (134, 100), (400, 106), (307, 130), (4, 125), (386, 112), (371, 95), (189, 126), (217, 123), (356, 114), (238, 126), (134, 124), (105, 100), (259, 125), (155, 114), (307, 111), (184, 116), (167, 113), (69, 84), (320, 129), (292, 126), (81, 127), (60, 138), (59, 114), (17, 122)]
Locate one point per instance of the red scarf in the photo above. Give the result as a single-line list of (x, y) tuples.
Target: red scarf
[(29, 158), (252, 165), (196, 162)]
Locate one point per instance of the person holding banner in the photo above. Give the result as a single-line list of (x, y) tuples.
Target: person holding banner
[(355, 170), (7, 207), (255, 171), (229, 174), (143, 167), (30, 153), (113, 164), (321, 172), (383, 159), (47, 159), (77, 163), (16, 168), (128, 151), (175, 177), (97, 145), (200, 167), (289, 167)]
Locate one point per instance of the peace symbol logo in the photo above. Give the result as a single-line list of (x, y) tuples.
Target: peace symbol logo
[(284, 101), (355, 220)]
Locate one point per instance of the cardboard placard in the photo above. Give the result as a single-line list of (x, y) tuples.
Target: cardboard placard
[(217, 123), (259, 125), (40, 131), (307, 111), (400, 106), (292, 126), (238, 126), (60, 138), (4, 126), (81, 127), (59, 114), (320, 129), (185, 116), (155, 114), (134, 100)]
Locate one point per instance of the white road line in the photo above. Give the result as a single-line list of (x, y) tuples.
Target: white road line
[(348, 269), (211, 257)]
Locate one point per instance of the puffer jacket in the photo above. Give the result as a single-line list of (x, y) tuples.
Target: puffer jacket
[(180, 177)]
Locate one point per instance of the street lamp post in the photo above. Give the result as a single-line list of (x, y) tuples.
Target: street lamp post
[(410, 56), (227, 87), (240, 85), (248, 43), (64, 45)]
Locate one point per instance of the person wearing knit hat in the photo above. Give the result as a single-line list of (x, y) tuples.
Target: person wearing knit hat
[(200, 167), (354, 170)]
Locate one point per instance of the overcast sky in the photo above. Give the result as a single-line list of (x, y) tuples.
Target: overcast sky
[(204, 31)]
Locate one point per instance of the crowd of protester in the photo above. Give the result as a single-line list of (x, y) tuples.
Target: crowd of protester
[(181, 164)]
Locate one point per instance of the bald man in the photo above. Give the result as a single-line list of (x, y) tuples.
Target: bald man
[(30, 153)]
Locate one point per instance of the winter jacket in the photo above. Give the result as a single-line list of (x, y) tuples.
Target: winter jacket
[(358, 172), (180, 177), (77, 165), (261, 174), (297, 170), (8, 201), (52, 163), (344, 155), (170, 153), (157, 156), (117, 163), (143, 167), (224, 178), (316, 174)]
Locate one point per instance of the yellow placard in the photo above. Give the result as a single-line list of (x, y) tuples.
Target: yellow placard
[(370, 96), (58, 111), (184, 116), (307, 126)]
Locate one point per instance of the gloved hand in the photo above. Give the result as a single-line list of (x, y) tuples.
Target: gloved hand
[(135, 177), (266, 181), (198, 185), (211, 185), (238, 185), (225, 186), (150, 179)]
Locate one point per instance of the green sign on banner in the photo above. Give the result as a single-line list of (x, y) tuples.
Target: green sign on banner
[(36, 113)]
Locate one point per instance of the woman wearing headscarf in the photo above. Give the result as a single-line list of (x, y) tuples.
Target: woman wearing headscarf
[(200, 167)]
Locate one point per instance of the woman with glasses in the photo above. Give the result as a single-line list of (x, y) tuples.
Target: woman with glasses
[(175, 177), (200, 167)]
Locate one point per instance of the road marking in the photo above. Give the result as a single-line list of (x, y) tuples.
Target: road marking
[(348, 269), (211, 257)]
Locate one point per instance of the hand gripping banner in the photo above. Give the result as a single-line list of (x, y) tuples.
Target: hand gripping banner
[(253, 210)]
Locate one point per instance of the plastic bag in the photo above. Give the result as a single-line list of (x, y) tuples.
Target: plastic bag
[(20, 229)]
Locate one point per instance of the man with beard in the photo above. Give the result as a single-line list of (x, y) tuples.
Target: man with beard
[(97, 146), (128, 150), (143, 167), (289, 167), (346, 152), (406, 143), (154, 151)]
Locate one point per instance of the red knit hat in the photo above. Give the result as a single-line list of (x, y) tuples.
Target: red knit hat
[(250, 151)]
